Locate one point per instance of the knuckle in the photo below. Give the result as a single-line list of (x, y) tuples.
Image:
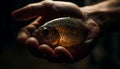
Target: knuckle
[(32, 5), (48, 4)]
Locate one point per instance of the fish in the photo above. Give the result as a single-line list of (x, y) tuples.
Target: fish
[(64, 31)]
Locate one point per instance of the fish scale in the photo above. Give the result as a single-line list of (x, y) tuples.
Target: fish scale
[(65, 31)]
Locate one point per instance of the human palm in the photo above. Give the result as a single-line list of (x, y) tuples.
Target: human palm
[(48, 10)]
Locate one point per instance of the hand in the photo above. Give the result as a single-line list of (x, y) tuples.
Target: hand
[(48, 10)]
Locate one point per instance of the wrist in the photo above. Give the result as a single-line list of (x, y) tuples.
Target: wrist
[(99, 15), (106, 14)]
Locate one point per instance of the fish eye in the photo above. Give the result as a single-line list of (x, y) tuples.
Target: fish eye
[(45, 31)]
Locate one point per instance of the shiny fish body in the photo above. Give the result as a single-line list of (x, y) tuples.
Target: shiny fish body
[(64, 31)]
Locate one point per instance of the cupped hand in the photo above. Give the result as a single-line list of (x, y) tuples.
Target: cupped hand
[(48, 10)]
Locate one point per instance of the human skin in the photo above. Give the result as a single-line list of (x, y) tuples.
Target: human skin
[(48, 10), (107, 13)]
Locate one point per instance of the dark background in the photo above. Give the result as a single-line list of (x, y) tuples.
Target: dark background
[(105, 55)]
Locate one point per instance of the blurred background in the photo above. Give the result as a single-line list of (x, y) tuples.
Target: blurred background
[(106, 54)]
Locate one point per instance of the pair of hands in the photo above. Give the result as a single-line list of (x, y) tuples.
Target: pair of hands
[(43, 12)]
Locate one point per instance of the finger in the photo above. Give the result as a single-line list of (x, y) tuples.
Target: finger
[(46, 51), (31, 11), (48, 0), (33, 46), (63, 54), (26, 32), (23, 35), (35, 23), (32, 43), (47, 8)]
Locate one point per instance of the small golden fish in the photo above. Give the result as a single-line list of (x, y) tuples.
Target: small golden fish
[(65, 31)]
